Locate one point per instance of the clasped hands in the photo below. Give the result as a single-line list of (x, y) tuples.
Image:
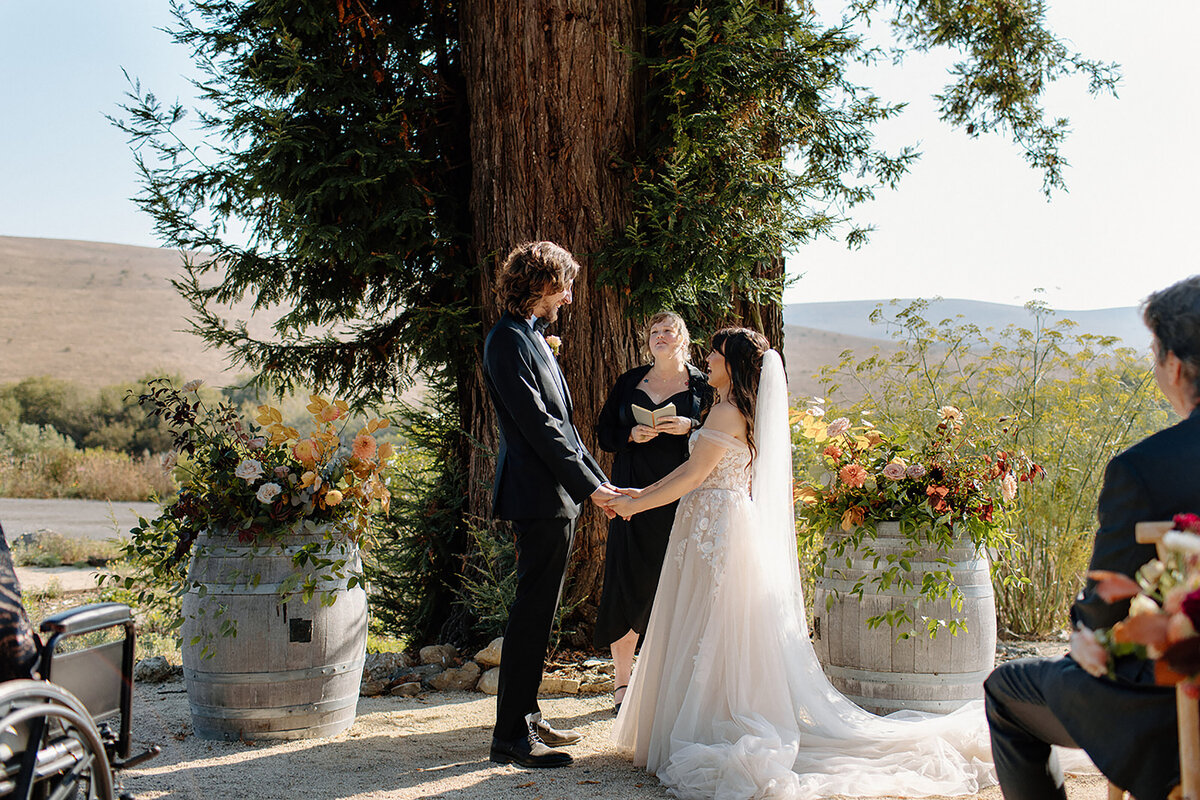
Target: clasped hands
[(614, 501)]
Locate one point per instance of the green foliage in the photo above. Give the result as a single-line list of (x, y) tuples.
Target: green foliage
[(491, 586), (736, 87), (21, 440), (105, 420), (46, 401), (1070, 401), (425, 538), (1009, 58), (334, 140)]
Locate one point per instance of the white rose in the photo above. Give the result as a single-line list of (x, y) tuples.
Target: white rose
[(1141, 604), (249, 470), (268, 492), (1008, 487)]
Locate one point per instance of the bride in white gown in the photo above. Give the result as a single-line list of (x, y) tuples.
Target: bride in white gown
[(728, 700)]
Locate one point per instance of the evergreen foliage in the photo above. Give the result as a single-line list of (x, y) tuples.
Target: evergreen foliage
[(1009, 57), (428, 536), (740, 94), (333, 139)]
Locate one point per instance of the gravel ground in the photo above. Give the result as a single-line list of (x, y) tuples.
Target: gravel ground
[(425, 747)]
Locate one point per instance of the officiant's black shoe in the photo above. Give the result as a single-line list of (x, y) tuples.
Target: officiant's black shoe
[(550, 735), (528, 751)]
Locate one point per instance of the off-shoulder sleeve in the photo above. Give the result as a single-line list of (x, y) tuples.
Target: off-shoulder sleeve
[(720, 439)]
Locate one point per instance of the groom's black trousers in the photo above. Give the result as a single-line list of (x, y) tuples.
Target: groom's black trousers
[(542, 549)]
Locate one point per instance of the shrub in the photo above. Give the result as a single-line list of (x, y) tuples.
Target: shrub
[(1072, 401), (48, 549), (60, 472)]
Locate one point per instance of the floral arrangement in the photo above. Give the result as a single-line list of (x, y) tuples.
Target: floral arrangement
[(259, 482), (939, 484), (946, 478), (1164, 610)]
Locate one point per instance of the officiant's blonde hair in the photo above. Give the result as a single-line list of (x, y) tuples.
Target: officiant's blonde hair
[(685, 338), (531, 271)]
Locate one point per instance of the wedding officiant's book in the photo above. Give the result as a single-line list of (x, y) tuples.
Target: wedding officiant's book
[(645, 416)]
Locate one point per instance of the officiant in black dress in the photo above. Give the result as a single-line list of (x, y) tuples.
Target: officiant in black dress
[(644, 454)]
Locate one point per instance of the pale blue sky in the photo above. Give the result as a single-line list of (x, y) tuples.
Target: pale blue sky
[(968, 222)]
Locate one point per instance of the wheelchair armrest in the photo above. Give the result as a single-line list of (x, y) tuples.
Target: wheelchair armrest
[(86, 619)]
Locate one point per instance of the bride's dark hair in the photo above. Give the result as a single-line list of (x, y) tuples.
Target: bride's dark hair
[(743, 349)]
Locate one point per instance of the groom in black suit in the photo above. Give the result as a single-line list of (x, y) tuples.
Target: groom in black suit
[(543, 476), (1128, 726)]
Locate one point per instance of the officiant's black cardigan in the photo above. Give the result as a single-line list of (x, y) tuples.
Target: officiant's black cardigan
[(616, 420)]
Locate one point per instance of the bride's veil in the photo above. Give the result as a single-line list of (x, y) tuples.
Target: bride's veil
[(771, 490)]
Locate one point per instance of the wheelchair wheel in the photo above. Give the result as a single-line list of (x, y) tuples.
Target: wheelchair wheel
[(49, 746)]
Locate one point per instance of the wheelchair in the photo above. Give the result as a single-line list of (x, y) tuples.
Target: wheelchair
[(68, 734)]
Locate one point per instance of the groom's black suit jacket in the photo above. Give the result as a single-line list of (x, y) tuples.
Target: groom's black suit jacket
[(543, 470)]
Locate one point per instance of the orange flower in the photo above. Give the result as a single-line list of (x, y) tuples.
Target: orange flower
[(1145, 629), (833, 451), (306, 452), (853, 517), (364, 447), (853, 475), (1114, 586)]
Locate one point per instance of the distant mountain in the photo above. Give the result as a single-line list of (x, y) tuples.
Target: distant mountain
[(851, 318)]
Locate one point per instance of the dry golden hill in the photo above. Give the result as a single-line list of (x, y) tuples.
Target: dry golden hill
[(96, 314), (100, 314)]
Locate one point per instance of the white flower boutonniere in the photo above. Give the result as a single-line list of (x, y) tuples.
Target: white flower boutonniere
[(554, 343)]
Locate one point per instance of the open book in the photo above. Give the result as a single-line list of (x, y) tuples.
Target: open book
[(645, 416)]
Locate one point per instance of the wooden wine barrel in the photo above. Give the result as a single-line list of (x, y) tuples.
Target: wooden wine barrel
[(884, 674), (294, 668)]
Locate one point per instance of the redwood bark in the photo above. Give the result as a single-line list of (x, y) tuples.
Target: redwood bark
[(552, 102)]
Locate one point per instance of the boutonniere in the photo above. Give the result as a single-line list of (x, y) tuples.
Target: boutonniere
[(554, 343)]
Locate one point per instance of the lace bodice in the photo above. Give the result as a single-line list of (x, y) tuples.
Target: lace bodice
[(733, 470)]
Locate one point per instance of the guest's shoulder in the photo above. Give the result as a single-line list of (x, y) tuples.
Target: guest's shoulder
[(1181, 440)]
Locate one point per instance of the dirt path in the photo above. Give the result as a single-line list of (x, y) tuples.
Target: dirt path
[(80, 519), (400, 749)]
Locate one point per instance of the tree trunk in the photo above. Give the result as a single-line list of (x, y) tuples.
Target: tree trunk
[(552, 102)]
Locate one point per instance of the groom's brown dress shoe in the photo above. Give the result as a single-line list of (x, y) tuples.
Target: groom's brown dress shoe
[(552, 736), (528, 751)]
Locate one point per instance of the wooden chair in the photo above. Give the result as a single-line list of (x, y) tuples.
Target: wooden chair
[(1188, 709)]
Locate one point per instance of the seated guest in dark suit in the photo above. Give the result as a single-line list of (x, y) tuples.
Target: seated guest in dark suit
[(18, 647), (1128, 726)]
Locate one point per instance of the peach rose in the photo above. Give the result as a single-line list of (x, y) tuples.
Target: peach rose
[(853, 475), (364, 447)]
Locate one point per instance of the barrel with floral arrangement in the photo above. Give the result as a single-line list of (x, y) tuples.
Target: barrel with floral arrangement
[(904, 616), (274, 606)]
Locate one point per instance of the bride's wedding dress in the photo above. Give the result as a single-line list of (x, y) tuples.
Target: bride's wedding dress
[(728, 699)]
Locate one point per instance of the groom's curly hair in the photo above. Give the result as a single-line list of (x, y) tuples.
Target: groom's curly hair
[(743, 349), (531, 271)]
